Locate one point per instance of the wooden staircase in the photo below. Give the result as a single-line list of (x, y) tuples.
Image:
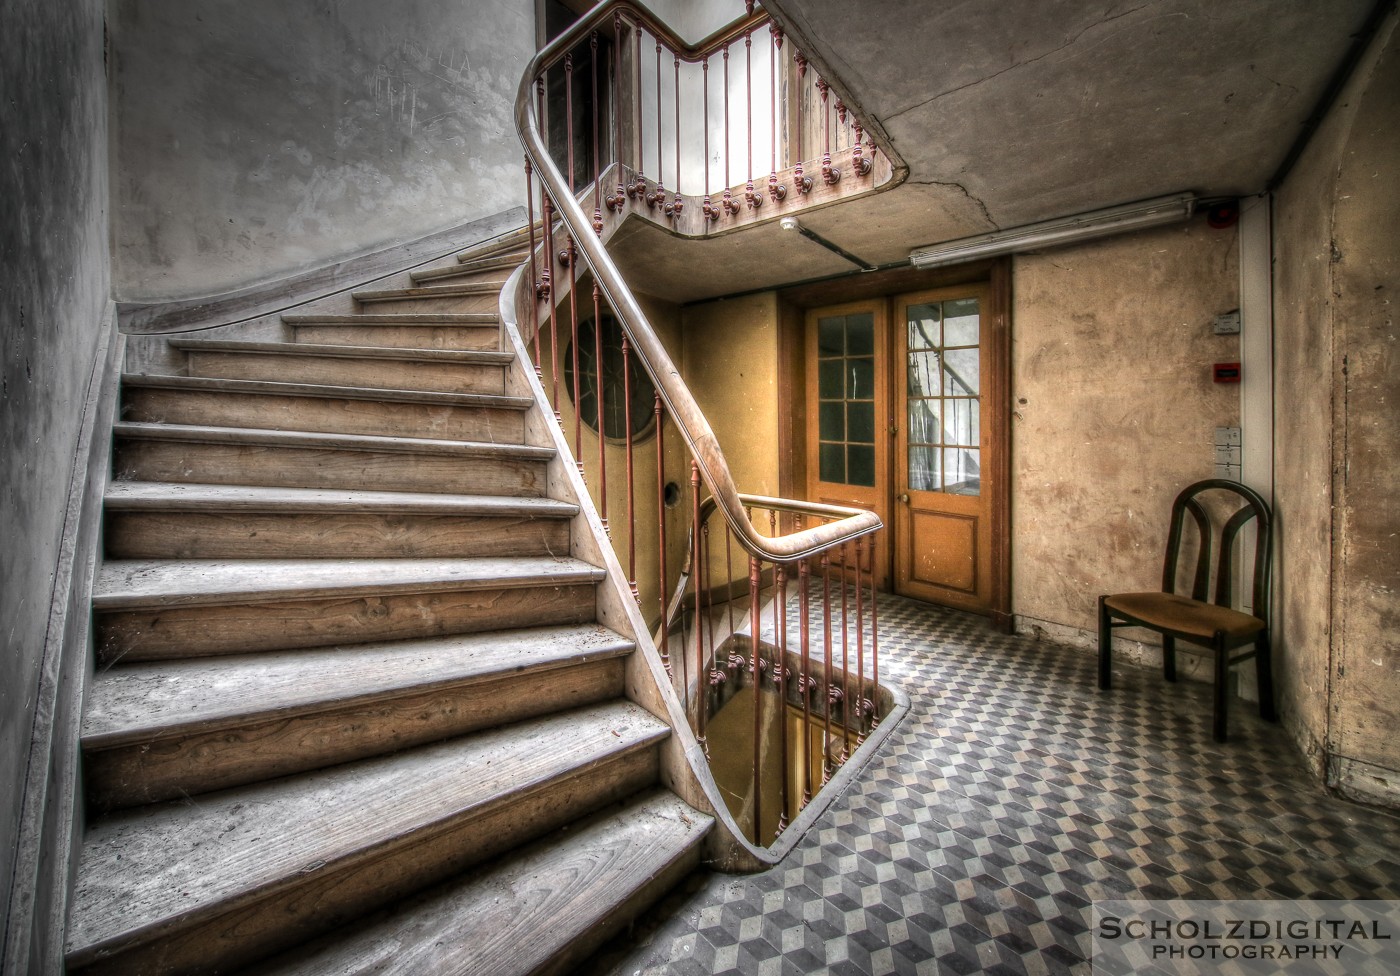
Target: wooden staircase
[(352, 707)]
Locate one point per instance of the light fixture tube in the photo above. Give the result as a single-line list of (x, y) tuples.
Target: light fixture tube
[(1062, 230)]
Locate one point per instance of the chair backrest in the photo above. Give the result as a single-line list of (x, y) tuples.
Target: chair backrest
[(1219, 534)]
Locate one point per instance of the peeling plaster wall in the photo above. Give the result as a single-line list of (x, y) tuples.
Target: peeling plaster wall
[(1337, 282), (53, 306), (1113, 411), (256, 139)]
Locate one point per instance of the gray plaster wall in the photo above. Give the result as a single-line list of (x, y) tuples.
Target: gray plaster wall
[(54, 282), (1337, 283), (259, 138)]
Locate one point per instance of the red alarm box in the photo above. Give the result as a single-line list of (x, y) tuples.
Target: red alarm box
[(1227, 372)]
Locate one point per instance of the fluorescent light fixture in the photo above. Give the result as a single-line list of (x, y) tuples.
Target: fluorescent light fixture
[(1063, 230)]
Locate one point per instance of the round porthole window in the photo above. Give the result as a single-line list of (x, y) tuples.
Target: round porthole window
[(618, 410)]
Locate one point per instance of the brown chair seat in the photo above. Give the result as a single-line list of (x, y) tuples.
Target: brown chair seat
[(1185, 616)]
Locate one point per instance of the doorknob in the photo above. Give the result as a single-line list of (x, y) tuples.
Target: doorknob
[(904, 497)]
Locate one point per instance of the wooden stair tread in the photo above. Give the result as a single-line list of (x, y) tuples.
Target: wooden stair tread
[(136, 702), (125, 584), (136, 496), (398, 318), (525, 910), (320, 439), (155, 870), (434, 291), (215, 384), (476, 357)]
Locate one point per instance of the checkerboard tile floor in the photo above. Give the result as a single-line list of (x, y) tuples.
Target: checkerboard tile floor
[(1011, 796)]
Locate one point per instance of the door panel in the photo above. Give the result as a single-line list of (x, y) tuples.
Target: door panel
[(848, 408), (942, 535)]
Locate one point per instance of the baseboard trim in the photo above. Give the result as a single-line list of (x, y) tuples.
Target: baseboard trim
[(1364, 782), (50, 825), (283, 294)]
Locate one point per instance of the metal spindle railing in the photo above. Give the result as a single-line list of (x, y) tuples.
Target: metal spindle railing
[(699, 642)]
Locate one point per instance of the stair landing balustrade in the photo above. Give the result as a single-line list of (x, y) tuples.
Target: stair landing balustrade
[(604, 123)]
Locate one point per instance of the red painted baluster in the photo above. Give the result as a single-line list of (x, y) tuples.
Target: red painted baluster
[(602, 433), (806, 681), (702, 685), (631, 485), (727, 203), (860, 640), (657, 198), (673, 209), (859, 164), (802, 183), (845, 689), (755, 574), (615, 201), (569, 116), (780, 675), (547, 288), (830, 174), (534, 275), (826, 682), (776, 191), (708, 208), (874, 641), (753, 200), (661, 527), (569, 257), (597, 174), (638, 186)]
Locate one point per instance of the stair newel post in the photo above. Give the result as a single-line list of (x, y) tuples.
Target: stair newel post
[(631, 492), (597, 173), (602, 396), (780, 676), (755, 576), (571, 259), (860, 640), (826, 680), (665, 641), (534, 275), (702, 683), (805, 680)]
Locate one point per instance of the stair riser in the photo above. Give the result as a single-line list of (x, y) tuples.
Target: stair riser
[(461, 303), (324, 414), (297, 467), (182, 631), (479, 269), (333, 895), (375, 374), (250, 535), (181, 762), (480, 338)]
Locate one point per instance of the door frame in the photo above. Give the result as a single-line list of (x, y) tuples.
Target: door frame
[(793, 304)]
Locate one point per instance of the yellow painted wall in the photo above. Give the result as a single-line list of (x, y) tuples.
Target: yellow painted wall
[(1113, 410)]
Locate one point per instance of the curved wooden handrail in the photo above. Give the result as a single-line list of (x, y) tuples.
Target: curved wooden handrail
[(852, 523)]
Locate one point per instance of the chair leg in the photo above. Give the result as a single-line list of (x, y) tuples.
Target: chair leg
[(1105, 647), (1169, 657), (1264, 669), (1222, 675)]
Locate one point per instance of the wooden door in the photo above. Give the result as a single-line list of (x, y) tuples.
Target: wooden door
[(943, 441), (848, 409)]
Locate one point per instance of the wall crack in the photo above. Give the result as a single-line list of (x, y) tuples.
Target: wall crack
[(986, 214)]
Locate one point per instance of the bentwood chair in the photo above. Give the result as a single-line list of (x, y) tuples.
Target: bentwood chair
[(1214, 624)]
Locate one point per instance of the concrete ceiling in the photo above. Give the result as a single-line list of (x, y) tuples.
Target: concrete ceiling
[(1012, 111)]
